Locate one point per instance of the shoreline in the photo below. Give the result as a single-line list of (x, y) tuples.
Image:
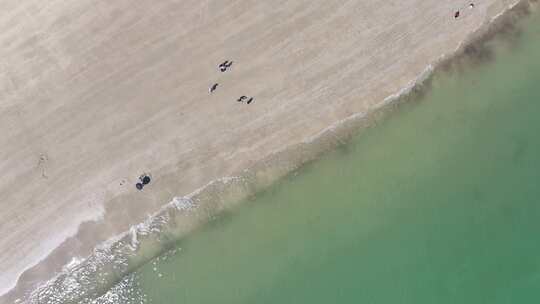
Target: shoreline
[(185, 214)]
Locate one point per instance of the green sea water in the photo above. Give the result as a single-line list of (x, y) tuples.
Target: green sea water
[(438, 203)]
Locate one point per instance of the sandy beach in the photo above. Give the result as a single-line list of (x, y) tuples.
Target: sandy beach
[(94, 94)]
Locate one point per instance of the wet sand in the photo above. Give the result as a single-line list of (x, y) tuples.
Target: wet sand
[(93, 94)]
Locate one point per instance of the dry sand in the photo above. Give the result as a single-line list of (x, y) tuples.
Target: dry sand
[(94, 93)]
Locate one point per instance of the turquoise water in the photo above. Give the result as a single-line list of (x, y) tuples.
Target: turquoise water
[(438, 203)]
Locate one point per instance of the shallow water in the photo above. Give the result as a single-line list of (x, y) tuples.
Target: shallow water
[(438, 203)]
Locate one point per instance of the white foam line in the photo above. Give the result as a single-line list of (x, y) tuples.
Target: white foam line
[(50, 245), (182, 203), (186, 203), (389, 99), (425, 74)]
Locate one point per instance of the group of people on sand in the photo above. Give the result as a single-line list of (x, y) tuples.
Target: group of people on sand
[(457, 13), (243, 98), (223, 68), (143, 180), (225, 65)]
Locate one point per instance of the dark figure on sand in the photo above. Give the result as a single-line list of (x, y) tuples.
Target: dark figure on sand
[(213, 87), (225, 65), (243, 98), (143, 180)]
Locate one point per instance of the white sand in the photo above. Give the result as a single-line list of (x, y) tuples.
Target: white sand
[(96, 92)]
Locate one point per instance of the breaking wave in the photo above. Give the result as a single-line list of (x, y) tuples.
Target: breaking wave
[(87, 281), (107, 275)]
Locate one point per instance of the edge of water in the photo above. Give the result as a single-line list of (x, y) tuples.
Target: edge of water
[(81, 281)]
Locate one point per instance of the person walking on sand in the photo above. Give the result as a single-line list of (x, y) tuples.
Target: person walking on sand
[(225, 65)]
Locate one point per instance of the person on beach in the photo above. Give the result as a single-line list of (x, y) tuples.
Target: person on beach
[(144, 179), (225, 65), (456, 15), (213, 87), (243, 98)]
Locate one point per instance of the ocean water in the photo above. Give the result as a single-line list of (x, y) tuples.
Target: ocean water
[(437, 203)]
